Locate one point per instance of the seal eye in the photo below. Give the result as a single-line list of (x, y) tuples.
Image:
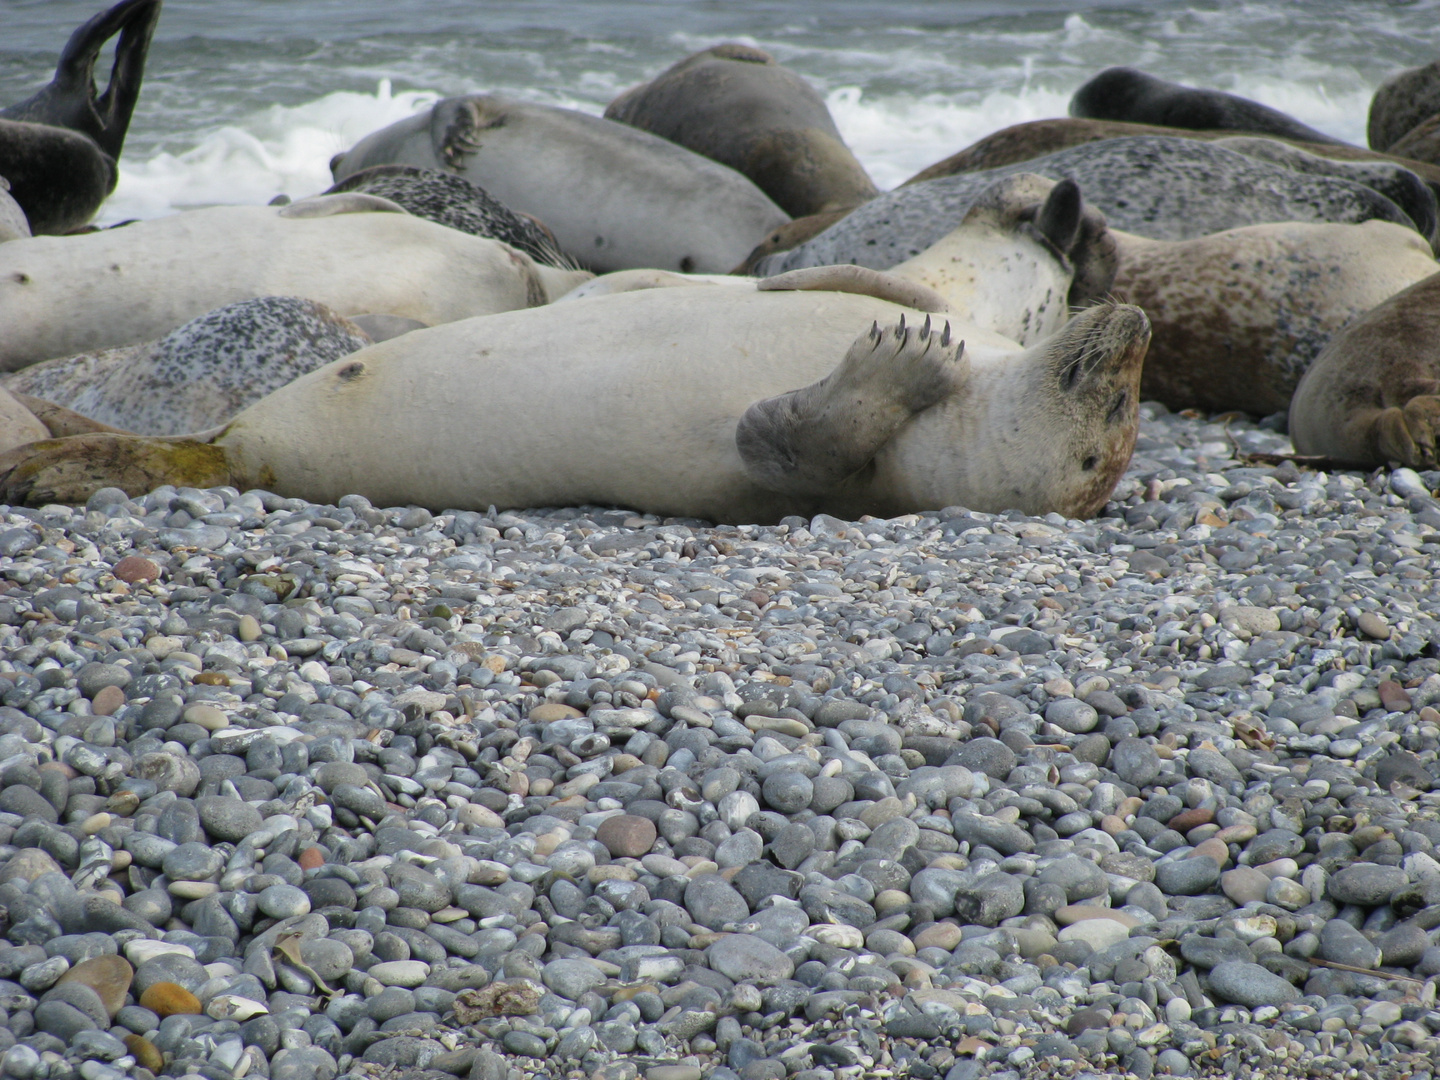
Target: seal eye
[(1089, 463), (1117, 411)]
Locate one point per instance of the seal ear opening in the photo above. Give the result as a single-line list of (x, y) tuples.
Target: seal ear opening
[(1058, 218)]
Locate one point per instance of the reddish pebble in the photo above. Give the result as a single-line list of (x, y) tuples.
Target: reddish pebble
[(1186, 820), (107, 701), (310, 858), (1393, 696), (133, 568)]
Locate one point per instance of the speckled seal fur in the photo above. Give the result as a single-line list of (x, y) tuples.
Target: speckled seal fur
[(456, 203), (1153, 186), (200, 374)]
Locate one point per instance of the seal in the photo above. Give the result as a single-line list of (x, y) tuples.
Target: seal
[(1123, 93), (736, 105), (779, 408), (1026, 252), (354, 253), (1401, 103), (616, 197), (1422, 142), (1239, 316), (1153, 186), (58, 148), (456, 203), (70, 100), (13, 223), (1373, 395), (200, 374)]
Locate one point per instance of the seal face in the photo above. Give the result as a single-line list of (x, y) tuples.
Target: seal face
[(616, 197), (736, 105), (1372, 396), (201, 374), (1122, 93), (454, 202), (880, 421), (1162, 188)]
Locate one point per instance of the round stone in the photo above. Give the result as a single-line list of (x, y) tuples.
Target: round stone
[(747, 958), (207, 716), (226, 818), (283, 901), (1097, 933), (712, 901), (788, 792), (193, 861), (136, 568), (408, 973), (1367, 884), (108, 976), (571, 979), (1245, 983), (170, 999), (1072, 715), (107, 701), (1186, 877), (92, 678), (1244, 884), (626, 835), (358, 800)]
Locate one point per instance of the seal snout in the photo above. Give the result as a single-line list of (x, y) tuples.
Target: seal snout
[(1110, 336)]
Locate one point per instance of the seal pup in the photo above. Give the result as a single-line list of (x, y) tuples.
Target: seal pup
[(70, 100), (736, 105), (13, 223), (355, 253), (200, 374), (1161, 188), (1239, 316), (1123, 93), (1025, 253), (1373, 395), (454, 202), (778, 408), (616, 197), (1401, 103)]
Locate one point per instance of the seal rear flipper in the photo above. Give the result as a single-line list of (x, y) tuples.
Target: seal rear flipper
[(456, 124), (1409, 434), (809, 441), (859, 280), (61, 422), (70, 101), (70, 470), (345, 202)]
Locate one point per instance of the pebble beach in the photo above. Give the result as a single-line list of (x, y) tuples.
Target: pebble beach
[(303, 792)]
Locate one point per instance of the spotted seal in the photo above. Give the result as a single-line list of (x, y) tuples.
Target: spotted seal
[(1153, 186), (1123, 93), (778, 408), (1372, 396), (1401, 103), (356, 253), (200, 374), (616, 197), (735, 104), (454, 202)]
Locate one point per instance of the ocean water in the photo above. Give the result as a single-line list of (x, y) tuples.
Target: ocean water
[(243, 101)]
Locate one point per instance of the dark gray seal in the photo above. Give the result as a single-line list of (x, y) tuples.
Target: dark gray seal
[(199, 374), (1157, 187), (736, 105), (456, 203), (58, 148), (1122, 93), (1402, 103)]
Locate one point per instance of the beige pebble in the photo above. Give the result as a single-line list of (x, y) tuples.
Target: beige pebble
[(248, 628), (207, 716), (107, 701)]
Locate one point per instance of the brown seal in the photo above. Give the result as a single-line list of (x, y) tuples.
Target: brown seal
[(735, 104), (1373, 395)]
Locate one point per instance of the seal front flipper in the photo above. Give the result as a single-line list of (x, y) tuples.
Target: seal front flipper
[(859, 280), (1409, 434), (455, 126), (72, 469), (70, 100), (808, 441)]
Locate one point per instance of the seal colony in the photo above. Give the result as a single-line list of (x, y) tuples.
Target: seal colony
[(333, 791)]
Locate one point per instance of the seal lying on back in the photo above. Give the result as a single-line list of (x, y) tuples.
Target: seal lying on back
[(1122, 93), (1373, 395), (1162, 188), (615, 197), (456, 203), (778, 408), (201, 374), (735, 104), (356, 253), (58, 147), (1239, 316)]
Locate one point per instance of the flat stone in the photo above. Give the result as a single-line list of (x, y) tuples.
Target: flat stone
[(1341, 943), (1367, 884), (1097, 933), (136, 568), (283, 901), (1186, 877), (673, 1072), (571, 979), (713, 902), (227, 818), (747, 958), (1245, 983), (1135, 761), (108, 976), (107, 701), (170, 999), (408, 973), (1071, 914)]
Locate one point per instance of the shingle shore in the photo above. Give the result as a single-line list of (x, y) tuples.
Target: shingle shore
[(302, 791)]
